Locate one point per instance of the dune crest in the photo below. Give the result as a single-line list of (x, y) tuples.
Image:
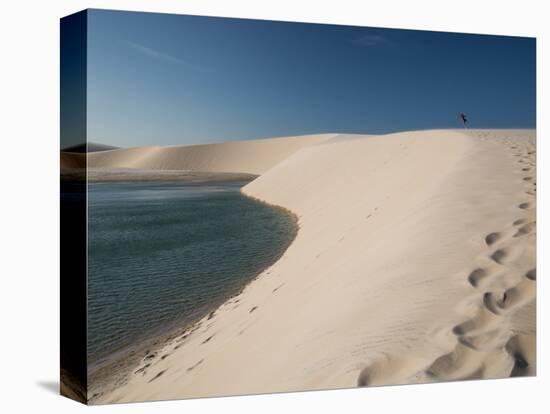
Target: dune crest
[(414, 262)]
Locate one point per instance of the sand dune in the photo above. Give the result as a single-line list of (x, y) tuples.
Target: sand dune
[(72, 160), (414, 262), (252, 157), (88, 147)]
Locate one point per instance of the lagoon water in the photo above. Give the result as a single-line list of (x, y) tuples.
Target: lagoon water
[(162, 254)]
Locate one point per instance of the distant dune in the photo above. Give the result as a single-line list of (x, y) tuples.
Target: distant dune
[(252, 157), (415, 261), (89, 147), (72, 160)]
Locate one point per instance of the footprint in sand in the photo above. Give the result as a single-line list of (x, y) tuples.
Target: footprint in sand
[(500, 256), (531, 274), (525, 229), (516, 349), (156, 376), (192, 367), (525, 206), (483, 342), (208, 339), (491, 302), (382, 370), (481, 322), (492, 238), (523, 292), (149, 357), (143, 369), (477, 276), (519, 222), (459, 364)]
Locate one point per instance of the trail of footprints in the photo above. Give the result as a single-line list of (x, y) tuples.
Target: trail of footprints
[(482, 338), (485, 343), (152, 358)]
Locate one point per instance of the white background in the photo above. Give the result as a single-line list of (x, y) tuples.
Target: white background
[(29, 262)]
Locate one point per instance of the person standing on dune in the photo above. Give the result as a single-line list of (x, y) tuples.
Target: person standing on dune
[(464, 119)]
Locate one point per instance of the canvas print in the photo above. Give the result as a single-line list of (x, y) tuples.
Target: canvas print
[(253, 206)]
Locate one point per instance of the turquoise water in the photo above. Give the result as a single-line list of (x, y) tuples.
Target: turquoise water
[(164, 254)]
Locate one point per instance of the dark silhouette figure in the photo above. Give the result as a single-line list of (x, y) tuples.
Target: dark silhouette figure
[(464, 119)]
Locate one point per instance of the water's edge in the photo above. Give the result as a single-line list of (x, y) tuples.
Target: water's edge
[(115, 372)]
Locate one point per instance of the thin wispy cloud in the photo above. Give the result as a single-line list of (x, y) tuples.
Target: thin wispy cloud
[(165, 57)]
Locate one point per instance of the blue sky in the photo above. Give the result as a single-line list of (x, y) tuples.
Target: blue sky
[(161, 79)]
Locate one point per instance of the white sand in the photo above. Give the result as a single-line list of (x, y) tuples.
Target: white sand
[(252, 157), (414, 262)]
